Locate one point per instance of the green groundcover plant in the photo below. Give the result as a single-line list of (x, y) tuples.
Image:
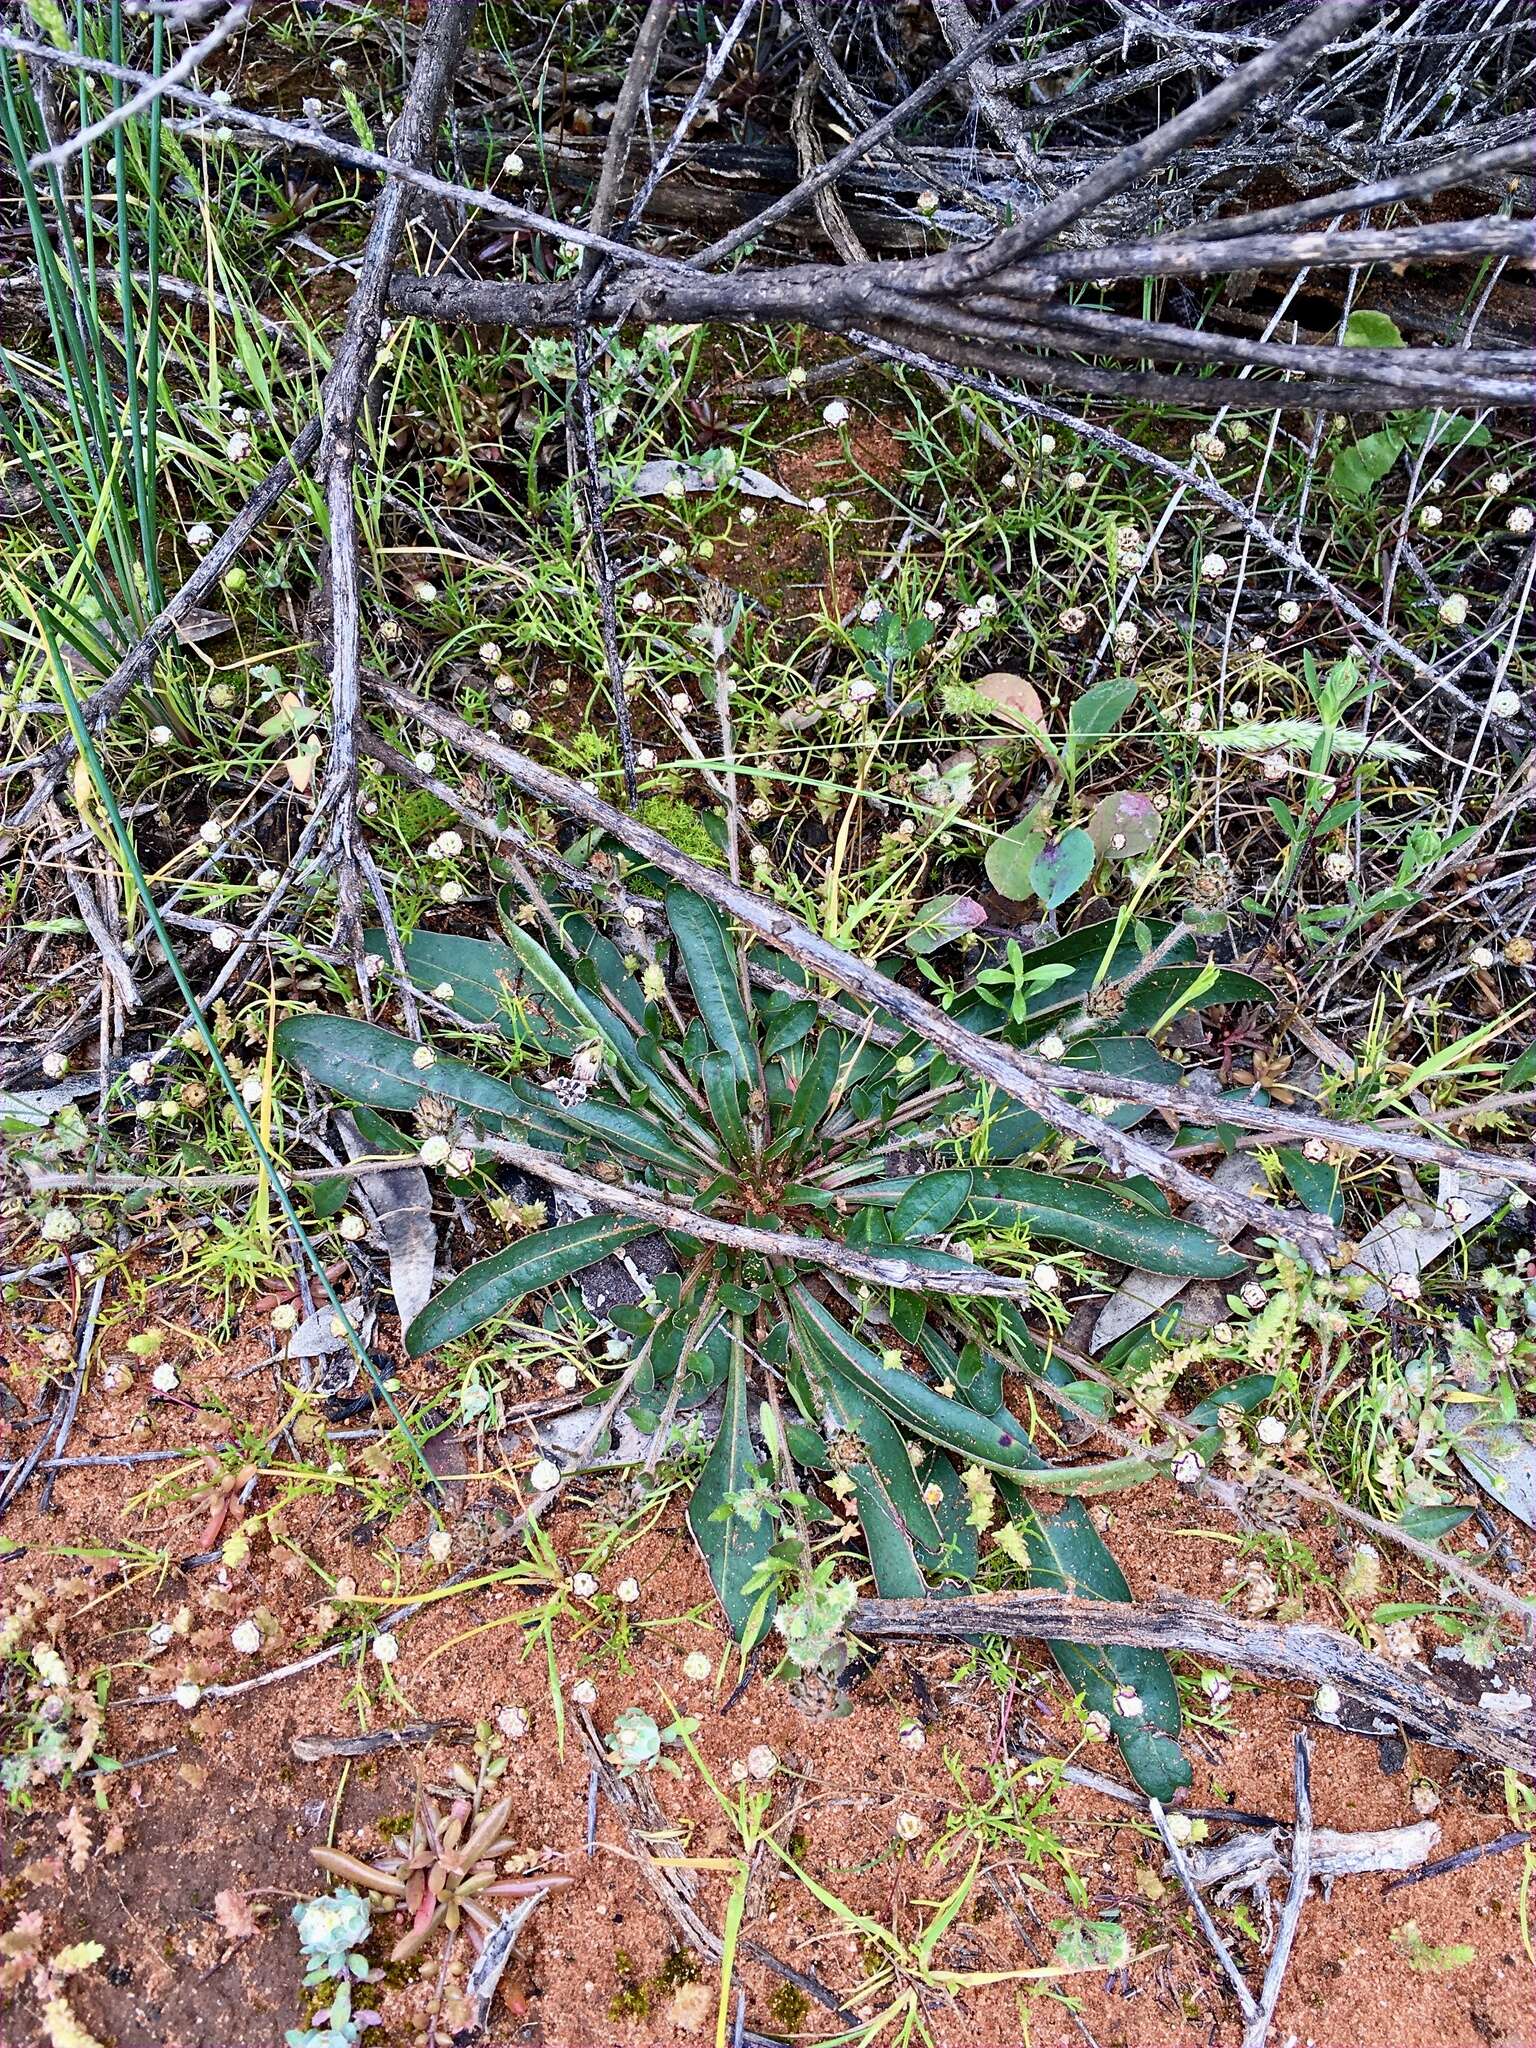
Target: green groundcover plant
[(839, 1402)]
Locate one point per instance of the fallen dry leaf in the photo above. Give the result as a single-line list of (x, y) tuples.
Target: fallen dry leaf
[(236, 1915)]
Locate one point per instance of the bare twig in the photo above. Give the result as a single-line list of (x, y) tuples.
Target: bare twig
[(1257, 2031), (1208, 1927), (1300, 1650)]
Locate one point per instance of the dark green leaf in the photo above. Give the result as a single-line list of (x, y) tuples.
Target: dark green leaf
[(1315, 1181), (929, 1206), (497, 1284), (722, 1085), (812, 1095), (1101, 1222), (1010, 860), (363, 1063), (489, 986), (731, 1548), (709, 958), (1061, 867)]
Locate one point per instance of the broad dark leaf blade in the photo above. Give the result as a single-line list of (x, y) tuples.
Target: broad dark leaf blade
[(499, 1283), (813, 1093), (892, 1558), (722, 1087), (629, 1133), (731, 1547), (1098, 1221), (488, 986), (1315, 1181), (850, 1413), (709, 959), (929, 1206), (366, 1064), (907, 1400)]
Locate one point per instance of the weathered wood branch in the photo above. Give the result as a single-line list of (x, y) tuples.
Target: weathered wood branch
[(1305, 1651)]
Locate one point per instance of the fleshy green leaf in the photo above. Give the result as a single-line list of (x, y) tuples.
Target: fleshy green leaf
[(497, 1284), (731, 1547), (1315, 1181), (365, 1063), (1365, 329), (710, 961), (1061, 867), (1010, 860), (929, 1206), (1098, 1221), (489, 986)]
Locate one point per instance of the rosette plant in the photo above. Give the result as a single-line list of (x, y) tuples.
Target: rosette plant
[(850, 1233)]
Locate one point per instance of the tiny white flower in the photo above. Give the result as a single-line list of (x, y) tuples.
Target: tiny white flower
[(59, 1226), (816, 505), (1047, 444), (385, 1648), (284, 1317), (238, 447), (520, 720), (987, 605), (1188, 1468), (1459, 1209), (909, 1826), (423, 1057), (1096, 1726), (1051, 1047), (246, 1638), (1404, 1287), (567, 1379), (933, 610), (1128, 1702), (870, 610), (1217, 1689), (1271, 1430), (1431, 517), (1073, 619), (1211, 446), (1180, 1828), (449, 845), (440, 1546), (584, 1693), (1481, 956), (490, 653), (55, 1065), (513, 1723), (1338, 867), (927, 203), (645, 757), (761, 1761), (211, 831), (1126, 633), (913, 1737), (165, 1379), (545, 1476), (1326, 1702), (682, 702), (796, 378), (1453, 609), (584, 1586), (1213, 568), (1254, 1295), (697, 1667), (223, 938), (628, 1590), (435, 1151), (835, 414), (1287, 611), (1521, 520), (512, 164), (160, 735), (1008, 481), (1046, 1278), (642, 601), (200, 536), (1505, 703), (1316, 1150), (268, 879), (968, 618), (1498, 483), (1075, 480), (187, 1695), (461, 1160)]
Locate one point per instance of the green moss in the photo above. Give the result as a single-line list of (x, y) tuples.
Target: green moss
[(679, 822), (787, 2007), (681, 1967), (632, 2000)]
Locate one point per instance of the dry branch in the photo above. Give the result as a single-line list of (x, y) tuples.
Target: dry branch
[(1301, 1650)]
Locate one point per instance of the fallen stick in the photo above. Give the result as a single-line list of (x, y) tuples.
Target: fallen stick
[(1253, 1859), (1300, 1650), (1257, 2031)]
